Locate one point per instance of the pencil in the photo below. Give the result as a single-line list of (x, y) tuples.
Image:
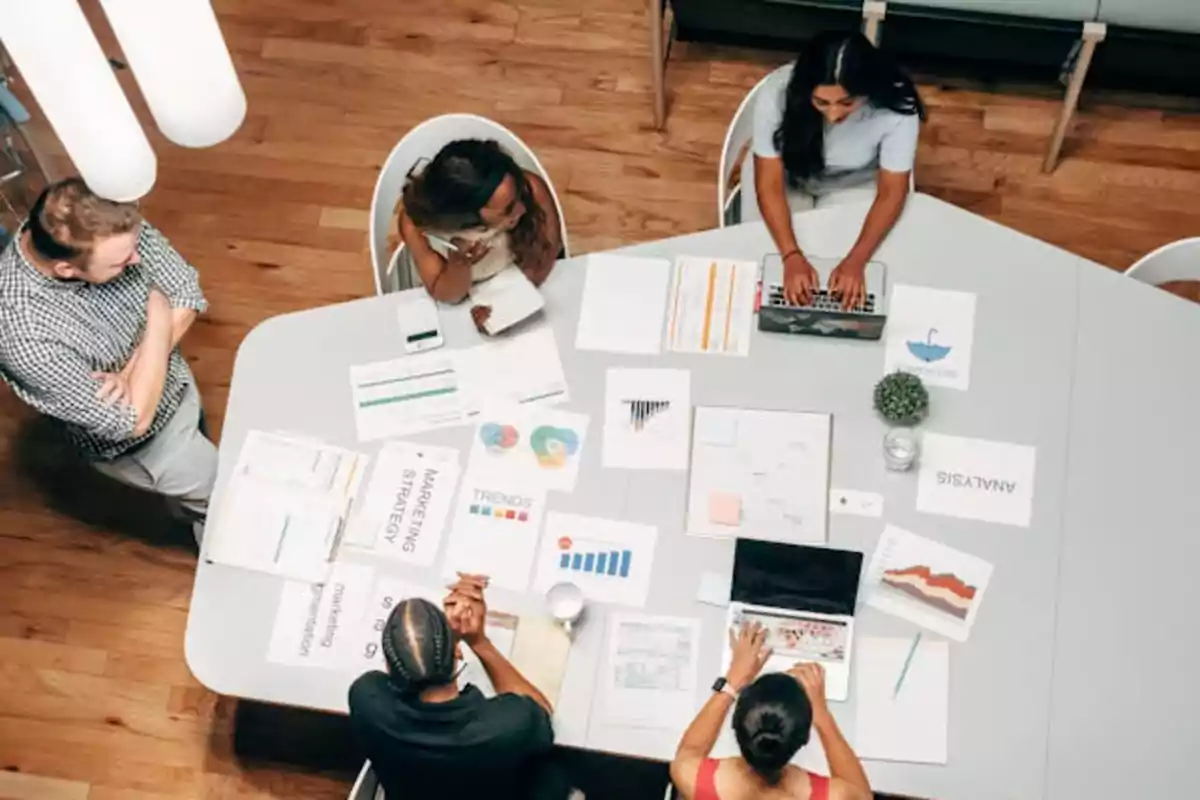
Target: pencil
[(907, 663)]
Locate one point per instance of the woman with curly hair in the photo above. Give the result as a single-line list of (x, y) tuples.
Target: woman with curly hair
[(471, 212)]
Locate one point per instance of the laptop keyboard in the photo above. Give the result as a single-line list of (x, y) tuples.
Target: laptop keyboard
[(821, 300)]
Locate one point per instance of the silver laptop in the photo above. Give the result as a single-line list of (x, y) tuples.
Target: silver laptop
[(823, 315)]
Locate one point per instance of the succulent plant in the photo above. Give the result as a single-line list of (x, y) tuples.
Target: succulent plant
[(901, 398)]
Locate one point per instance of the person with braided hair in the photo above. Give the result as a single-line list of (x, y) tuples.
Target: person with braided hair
[(425, 737), (772, 717)]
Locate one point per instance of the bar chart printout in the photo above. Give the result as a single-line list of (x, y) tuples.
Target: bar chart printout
[(609, 560)]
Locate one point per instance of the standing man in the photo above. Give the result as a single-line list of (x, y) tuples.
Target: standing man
[(93, 303)]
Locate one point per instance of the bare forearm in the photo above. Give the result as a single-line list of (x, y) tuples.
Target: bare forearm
[(879, 222), (702, 734), (149, 372), (843, 763), (773, 204), (504, 676)]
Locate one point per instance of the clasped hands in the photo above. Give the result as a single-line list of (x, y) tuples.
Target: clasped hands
[(466, 608), (800, 280)]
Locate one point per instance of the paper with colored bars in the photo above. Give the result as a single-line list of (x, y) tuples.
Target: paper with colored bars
[(609, 560), (712, 306), (424, 392), (284, 507)]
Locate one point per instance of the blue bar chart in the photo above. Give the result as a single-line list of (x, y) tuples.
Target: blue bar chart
[(614, 563)]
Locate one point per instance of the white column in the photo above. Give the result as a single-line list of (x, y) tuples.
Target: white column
[(61, 61), (182, 65)]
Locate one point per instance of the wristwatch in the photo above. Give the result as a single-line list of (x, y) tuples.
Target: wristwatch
[(721, 685)]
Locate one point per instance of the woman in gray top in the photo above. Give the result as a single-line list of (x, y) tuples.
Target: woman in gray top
[(839, 125)]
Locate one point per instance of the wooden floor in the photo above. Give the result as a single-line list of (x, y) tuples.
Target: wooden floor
[(96, 701)]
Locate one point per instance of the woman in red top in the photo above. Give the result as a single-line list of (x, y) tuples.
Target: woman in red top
[(772, 720)]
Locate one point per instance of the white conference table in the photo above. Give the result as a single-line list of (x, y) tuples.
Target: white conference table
[(1076, 680)]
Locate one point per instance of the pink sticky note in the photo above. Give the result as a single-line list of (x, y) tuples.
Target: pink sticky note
[(724, 508)]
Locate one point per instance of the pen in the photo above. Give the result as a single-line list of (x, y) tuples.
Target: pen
[(907, 663), (440, 242)]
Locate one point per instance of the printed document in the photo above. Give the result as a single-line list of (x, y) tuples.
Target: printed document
[(647, 418), (711, 306), (649, 679), (408, 497), (285, 506), (624, 300)]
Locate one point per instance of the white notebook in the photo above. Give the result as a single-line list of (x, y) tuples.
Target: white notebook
[(510, 295)]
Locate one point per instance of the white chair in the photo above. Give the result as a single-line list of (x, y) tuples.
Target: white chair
[(1177, 261), (367, 785), (741, 131), (424, 142)]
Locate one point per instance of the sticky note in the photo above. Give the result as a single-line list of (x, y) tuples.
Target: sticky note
[(714, 588), (725, 508)]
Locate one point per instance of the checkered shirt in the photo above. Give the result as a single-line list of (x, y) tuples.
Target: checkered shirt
[(54, 334)]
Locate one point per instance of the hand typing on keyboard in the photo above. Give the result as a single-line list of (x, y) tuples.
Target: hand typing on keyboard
[(800, 279), (848, 283)]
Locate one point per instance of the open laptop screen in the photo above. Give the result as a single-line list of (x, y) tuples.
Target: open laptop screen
[(800, 578)]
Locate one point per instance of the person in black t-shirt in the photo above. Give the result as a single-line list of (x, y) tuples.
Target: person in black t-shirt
[(427, 739)]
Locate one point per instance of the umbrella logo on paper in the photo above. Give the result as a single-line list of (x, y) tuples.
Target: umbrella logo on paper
[(927, 351)]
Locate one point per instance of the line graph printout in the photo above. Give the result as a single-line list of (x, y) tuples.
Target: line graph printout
[(759, 475)]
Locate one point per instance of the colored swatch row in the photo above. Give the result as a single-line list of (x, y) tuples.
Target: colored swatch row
[(496, 512)]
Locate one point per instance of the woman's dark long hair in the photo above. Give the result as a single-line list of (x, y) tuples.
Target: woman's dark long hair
[(418, 646), (772, 720), (848, 60), (460, 180)]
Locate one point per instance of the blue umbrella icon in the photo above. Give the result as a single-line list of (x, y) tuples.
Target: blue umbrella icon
[(927, 351)]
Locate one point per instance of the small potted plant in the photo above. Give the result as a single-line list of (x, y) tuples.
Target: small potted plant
[(902, 400)]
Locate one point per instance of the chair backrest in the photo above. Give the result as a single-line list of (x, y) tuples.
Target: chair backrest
[(366, 786), (741, 131), (1177, 261), (424, 141)]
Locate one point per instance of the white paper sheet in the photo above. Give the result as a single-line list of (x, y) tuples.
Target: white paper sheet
[(929, 333), (317, 626), (647, 418), (531, 445), (510, 296), (759, 475), (404, 511), (649, 677), (407, 395), (524, 369), (495, 529), (609, 560), (910, 725), (926, 582), (976, 479), (715, 588), (711, 306), (285, 506), (624, 301), (424, 392)]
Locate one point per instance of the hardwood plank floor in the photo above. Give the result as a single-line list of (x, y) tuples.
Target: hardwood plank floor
[(97, 700)]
